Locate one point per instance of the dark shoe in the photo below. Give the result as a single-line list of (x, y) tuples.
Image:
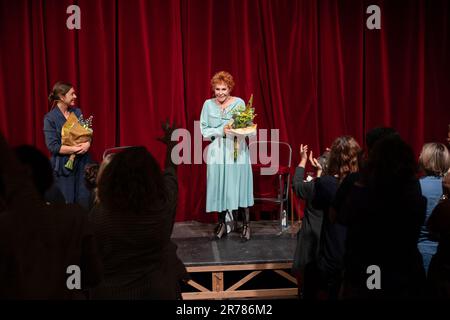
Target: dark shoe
[(220, 230), (245, 235), (234, 223)]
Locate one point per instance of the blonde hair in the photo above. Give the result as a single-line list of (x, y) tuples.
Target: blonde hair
[(222, 77), (434, 159)]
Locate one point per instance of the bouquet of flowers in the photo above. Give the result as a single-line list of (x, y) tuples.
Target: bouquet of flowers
[(74, 132), (242, 123)]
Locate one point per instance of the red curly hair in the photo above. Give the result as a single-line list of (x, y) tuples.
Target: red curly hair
[(222, 77)]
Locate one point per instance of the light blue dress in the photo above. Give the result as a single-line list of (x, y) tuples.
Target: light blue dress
[(229, 182)]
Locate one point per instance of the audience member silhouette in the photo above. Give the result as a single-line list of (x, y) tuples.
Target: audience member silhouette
[(41, 173), (133, 223), (383, 214), (372, 136), (308, 236), (39, 242), (323, 279)]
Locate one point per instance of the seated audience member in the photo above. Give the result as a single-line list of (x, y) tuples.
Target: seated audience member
[(308, 236), (41, 173), (439, 223), (434, 161), (39, 241), (325, 277), (383, 214), (133, 223)]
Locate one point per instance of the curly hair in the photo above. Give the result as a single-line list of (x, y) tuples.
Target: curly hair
[(434, 159), (323, 161), (90, 175), (222, 77), (131, 182), (345, 156)]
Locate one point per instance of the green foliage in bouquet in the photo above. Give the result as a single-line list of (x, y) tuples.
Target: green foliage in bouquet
[(69, 163), (85, 123), (244, 115)]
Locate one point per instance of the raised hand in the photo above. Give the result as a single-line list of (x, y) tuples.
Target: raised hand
[(303, 155), (168, 130), (304, 152), (314, 161)]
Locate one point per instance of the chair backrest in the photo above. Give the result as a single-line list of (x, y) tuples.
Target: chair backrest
[(284, 151), (114, 150)]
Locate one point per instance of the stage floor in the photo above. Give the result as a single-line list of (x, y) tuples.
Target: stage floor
[(197, 245), (219, 260)]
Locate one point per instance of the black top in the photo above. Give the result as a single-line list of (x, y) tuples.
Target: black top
[(344, 190), (332, 243), (309, 235)]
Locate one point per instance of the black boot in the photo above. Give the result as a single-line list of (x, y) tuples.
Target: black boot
[(221, 228), (234, 226), (245, 235)]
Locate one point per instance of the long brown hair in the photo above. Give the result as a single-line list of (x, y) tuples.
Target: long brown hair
[(345, 157)]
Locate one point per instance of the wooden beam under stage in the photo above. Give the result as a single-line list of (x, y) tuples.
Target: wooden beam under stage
[(268, 253), (218, 274)]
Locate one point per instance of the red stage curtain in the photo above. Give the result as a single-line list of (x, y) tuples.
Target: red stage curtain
[(315, 70)]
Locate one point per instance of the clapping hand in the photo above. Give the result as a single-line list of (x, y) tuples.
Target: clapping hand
[(303, 155), (315, 164), (314, 161), (304, 152)]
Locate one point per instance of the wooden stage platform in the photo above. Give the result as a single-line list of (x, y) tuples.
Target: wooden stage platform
[(230, 268)]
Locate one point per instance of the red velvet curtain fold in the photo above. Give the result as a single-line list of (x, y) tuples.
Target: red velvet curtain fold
[(315, 70)]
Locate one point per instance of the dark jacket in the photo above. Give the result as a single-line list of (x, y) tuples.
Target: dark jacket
[(53, 123), (308, 236)]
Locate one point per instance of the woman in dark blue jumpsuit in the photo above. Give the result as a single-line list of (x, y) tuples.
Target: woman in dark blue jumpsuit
[(70, 182)]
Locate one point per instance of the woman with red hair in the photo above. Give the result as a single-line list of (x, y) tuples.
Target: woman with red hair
[(229, 180)]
